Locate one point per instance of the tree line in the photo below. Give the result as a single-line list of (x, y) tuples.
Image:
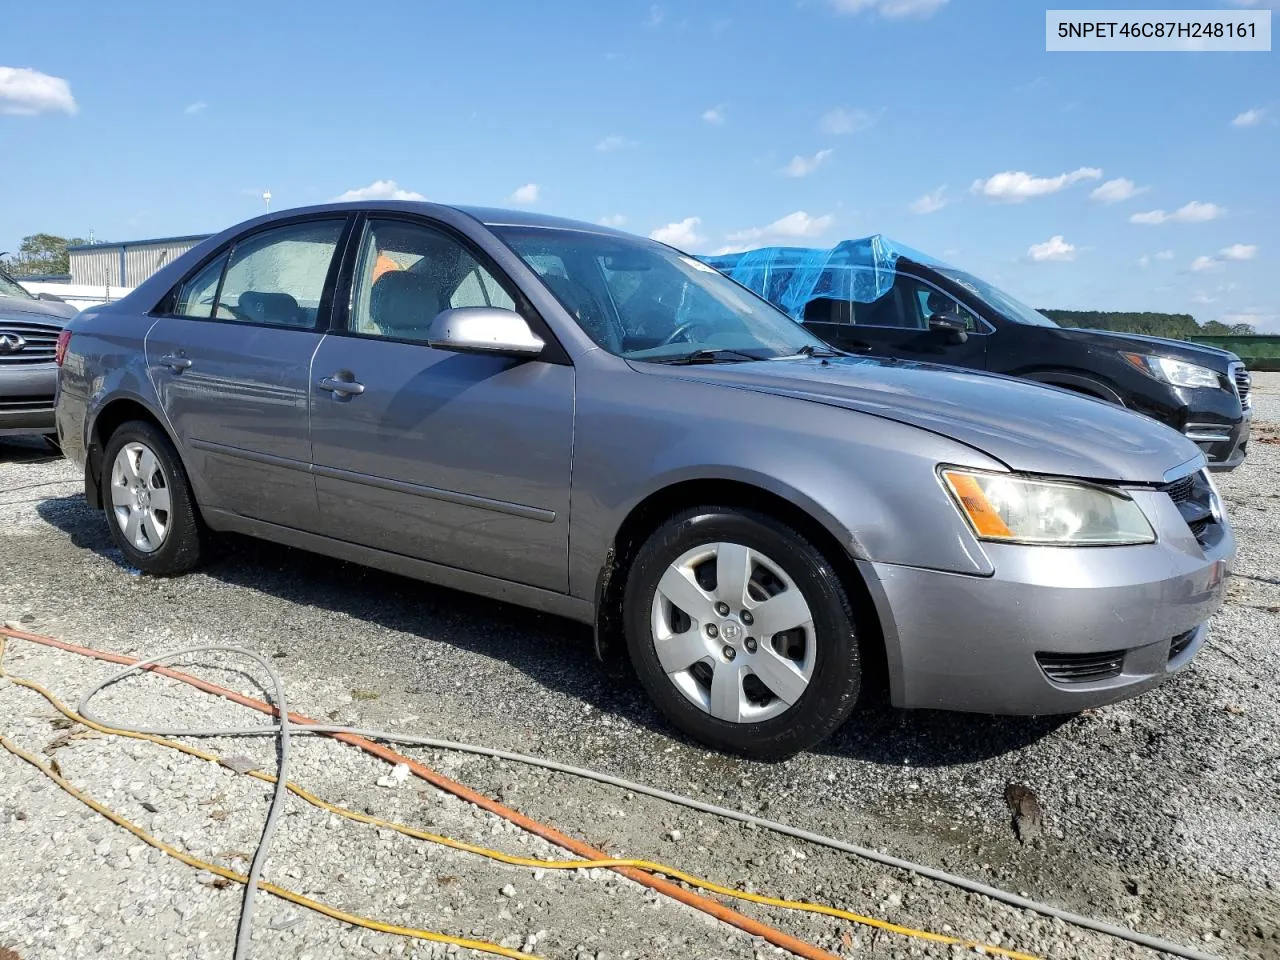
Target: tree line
[(1178, 326), (41, 254)]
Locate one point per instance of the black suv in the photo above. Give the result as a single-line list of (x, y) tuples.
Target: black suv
[(944, 315)]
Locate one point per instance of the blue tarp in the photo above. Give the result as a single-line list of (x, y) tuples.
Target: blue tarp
[(857, 270)]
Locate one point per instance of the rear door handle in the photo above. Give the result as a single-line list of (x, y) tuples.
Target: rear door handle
[(341, 388), (176, 362)]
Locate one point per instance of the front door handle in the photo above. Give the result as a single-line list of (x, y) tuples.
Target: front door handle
[(176, 362), (340, 388)]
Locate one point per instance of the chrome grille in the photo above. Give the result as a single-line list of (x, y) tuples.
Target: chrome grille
[(25, 404), (1240, 377), (27, 342)]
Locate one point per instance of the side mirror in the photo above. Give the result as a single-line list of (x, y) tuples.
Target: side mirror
[(490, 330), (952, 324), (45, 295)]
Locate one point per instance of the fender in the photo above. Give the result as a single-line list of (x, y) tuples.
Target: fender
[(1076, 382)]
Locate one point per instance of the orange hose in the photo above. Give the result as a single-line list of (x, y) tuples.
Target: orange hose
[(800, 948)]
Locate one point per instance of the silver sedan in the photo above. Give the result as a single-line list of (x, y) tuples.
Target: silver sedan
[(566, 417)]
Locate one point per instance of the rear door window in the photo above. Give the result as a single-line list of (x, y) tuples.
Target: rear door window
[(277, 277)]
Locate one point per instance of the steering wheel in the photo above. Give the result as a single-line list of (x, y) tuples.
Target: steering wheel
[(682, 332)]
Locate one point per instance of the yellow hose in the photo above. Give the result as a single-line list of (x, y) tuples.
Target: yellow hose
[(299, 899), (496, 855)]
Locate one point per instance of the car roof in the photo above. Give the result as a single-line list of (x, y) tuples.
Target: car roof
[(489, 216)]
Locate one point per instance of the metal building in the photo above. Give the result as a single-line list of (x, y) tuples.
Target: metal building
[(125, 264)]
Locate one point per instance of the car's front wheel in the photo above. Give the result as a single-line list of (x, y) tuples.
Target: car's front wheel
[(742, 632), (148, 503)]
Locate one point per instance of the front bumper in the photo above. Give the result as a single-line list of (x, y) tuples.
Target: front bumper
[(1055, 629), (1224, 444), (27, 399)]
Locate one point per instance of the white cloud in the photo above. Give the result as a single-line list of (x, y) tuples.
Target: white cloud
[(655, 17), (839, 120), (1054, 249), (1238, 251), (1204, 264), (794, 226), (803, 166), (381, 190), (1193, 212), (194, 108), (714, 115), (614, 220), (1250, 118), (526, 194), (1259, 319), (683, 234), (1144, 261), (26, 92), (1015, 186), (1164, 255), (893, 9), (615, 142), (1113, 191), (931, 202)]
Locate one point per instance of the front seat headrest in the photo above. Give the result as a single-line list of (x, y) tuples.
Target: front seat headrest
[(403, 304)]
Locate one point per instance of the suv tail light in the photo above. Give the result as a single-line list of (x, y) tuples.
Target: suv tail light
[(60, 353)]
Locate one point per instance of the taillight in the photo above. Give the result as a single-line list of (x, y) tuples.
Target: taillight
[(64, 340)]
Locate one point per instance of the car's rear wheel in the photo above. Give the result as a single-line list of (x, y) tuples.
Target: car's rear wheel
[(742, 632), (148, 503)]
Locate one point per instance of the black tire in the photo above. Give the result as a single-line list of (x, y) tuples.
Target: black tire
[(184, 542), (833, 689)]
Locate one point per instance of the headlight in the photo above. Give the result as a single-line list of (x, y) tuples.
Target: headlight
[(1177, 372), (1001, 506)]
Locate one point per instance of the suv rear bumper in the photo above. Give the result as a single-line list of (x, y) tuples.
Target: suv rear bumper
[(1055, 629), (26, 398)]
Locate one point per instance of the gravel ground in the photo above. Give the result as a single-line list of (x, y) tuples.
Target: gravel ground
[(1162, 813)]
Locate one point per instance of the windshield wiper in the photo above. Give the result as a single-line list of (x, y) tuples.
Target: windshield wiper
[(809, 350), (706, 356)]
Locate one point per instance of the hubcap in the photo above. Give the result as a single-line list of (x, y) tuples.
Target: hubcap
[(140, 497), (733, 632)]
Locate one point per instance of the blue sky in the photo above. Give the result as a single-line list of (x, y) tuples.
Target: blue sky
[(715, 123)]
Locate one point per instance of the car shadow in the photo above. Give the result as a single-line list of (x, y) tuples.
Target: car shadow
[(24, 449), (553, 652)]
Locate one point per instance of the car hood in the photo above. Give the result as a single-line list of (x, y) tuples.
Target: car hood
[(1206, 356), (1026, 426), (23, 309)]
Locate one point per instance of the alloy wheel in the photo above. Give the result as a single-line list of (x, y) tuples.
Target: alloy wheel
[(140, 497), (733, 632)]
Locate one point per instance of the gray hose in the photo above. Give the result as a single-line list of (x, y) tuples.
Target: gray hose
[(245, 924), (283, 728)]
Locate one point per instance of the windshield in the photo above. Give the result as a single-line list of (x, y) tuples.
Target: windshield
[(10, 287), (644, 301), (1015, 310)]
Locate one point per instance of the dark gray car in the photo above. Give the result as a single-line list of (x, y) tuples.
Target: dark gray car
[(573, 419), (29, 329)]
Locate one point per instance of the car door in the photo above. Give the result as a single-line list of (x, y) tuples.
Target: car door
[(230, 357), (897, 325), (460, 459)]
